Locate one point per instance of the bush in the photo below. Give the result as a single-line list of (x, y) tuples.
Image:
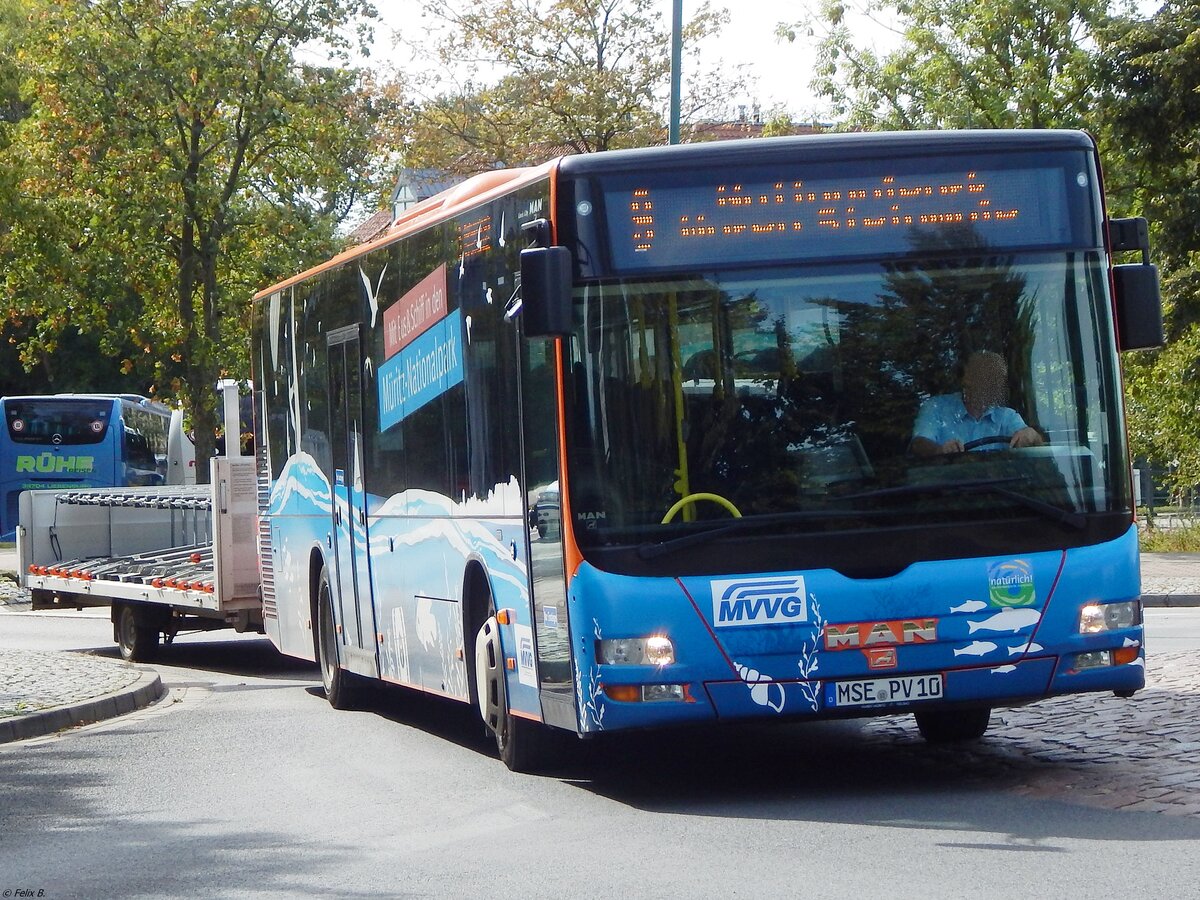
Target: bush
[(1183, 537)]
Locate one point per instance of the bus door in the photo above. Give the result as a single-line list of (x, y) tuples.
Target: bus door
[(351, 564)]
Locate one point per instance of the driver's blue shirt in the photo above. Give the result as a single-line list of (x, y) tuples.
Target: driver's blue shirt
[(945, 418)]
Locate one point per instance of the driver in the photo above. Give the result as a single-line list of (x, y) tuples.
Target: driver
[(947, 423)]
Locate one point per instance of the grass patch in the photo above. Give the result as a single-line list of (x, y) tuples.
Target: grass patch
[(1179, 538)]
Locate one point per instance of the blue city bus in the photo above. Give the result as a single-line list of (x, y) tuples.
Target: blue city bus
[(78, 440), (715, 355)]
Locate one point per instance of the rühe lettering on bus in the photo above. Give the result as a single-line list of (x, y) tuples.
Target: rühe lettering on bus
[(413, 313)]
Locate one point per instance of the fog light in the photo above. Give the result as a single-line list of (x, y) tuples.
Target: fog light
[(1093, 659), (652, 692), (648, 693), (656, 650), (1097, 617)]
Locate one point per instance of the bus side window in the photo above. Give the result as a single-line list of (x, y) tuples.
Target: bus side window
[(140, 465)]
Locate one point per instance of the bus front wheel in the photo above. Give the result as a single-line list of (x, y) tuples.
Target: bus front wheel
[(524, 746), (136, 633), (945, 726)]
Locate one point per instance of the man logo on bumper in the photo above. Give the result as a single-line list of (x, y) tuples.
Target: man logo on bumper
[(759, 601)]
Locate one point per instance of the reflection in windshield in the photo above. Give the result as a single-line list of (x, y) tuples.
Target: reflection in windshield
[(790, 390)]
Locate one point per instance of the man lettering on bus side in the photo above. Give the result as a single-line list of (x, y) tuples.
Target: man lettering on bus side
[(949, 423)]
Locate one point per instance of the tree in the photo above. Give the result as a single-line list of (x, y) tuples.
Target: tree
[(12, 108), (1151, 107), (13, 15), (960, 63), (178, 155), (569, 76)]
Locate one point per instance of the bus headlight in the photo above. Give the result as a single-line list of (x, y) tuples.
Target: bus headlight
[(1095, 618), (656, 650)]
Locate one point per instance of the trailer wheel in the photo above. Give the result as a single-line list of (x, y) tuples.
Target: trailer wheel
[(341, 687), (945, 726), (136, 634), (524, 746)]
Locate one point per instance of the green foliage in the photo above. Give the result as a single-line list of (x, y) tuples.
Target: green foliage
[(962, 64), (1183, 538), (1151, 107), (13, 15), (177, 156), (570, 76)]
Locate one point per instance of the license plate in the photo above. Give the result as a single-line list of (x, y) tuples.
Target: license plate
[(875, 691)]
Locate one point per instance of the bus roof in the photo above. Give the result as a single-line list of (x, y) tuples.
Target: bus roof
[(476, 190), (486, 185), (135, 399), (826, 146)]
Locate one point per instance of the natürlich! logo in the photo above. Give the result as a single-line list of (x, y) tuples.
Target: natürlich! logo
[(1010, 583)]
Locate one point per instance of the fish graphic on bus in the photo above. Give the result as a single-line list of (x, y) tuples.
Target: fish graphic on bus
[(1013, 620)]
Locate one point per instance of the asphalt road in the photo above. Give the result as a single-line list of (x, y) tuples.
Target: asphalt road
[(244, 782)]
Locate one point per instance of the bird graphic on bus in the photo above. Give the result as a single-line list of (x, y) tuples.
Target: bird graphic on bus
[(372, 292)]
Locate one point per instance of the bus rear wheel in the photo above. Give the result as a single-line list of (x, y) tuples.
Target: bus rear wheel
[(136, 633), (341, 687), (946, 726), (524, 746)]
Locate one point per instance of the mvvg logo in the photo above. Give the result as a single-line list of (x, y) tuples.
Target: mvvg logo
[(759, 601)]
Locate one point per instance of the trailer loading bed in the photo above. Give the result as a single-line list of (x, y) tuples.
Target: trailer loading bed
[(166, 559)]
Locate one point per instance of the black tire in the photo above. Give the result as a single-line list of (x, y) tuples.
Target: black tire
[(136, 633), (945, 726), (341, 687), (524, 746)]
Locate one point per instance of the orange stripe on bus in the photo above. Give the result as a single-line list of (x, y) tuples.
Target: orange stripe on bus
[(524, 715), (572, 557)]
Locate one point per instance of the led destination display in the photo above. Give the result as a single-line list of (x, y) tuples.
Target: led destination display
[(794, 216)]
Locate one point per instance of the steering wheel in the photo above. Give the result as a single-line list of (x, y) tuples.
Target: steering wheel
[(984, 441), (692, 498)]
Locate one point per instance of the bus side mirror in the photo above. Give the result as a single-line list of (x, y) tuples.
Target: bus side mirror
[(1139, 307), (1138, 298), (545, 307)]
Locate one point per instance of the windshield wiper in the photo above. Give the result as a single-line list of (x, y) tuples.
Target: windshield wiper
[(981, 486), (652, 549)]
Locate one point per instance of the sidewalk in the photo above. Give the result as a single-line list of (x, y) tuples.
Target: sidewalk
[(43, 692), (1171, 579)]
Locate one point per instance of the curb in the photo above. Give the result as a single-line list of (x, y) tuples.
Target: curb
[(147, 689), (1170, 601)]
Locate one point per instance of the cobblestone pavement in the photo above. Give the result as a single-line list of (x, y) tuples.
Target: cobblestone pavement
[(11, 593), (31, 680), (42, 692), (1099, 750), (1172, 579)]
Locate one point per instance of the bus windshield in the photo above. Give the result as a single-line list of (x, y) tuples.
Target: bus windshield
[(57, 421), (791, 393)]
